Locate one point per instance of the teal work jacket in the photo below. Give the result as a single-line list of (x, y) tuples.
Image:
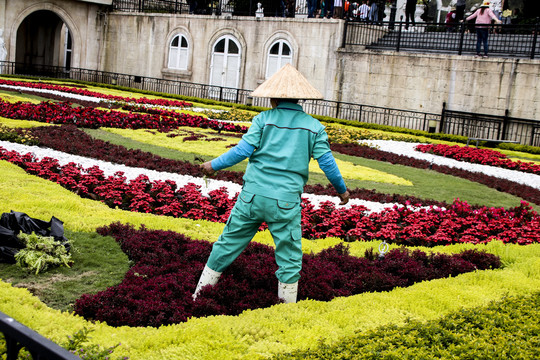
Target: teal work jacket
[(285, 139)]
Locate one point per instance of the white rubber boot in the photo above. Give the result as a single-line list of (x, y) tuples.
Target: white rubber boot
[(287, 292), (208, 277)]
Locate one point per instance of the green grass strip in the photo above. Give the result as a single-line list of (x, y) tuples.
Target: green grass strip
[(98, 263)]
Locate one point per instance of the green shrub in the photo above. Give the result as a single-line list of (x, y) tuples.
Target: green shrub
[(76, 344), (518, 147), (508, 329), (20, 136), (233, 114)]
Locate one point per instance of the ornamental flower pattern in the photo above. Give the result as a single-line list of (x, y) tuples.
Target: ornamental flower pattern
[(479, 156), (157, 289), (406, 225), (84, 92)]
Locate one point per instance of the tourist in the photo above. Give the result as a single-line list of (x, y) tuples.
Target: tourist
[(483, 17), (338, 9), (451, 20), (279, 145), (374, 12), (192, 6), (410, 9), (312, 6), (322, 8), (460, 9), (363, 11)]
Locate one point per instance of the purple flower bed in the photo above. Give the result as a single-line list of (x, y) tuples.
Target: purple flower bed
[(157, 290)]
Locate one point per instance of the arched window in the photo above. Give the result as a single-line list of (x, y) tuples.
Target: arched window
[(178, 53), (280, 53)]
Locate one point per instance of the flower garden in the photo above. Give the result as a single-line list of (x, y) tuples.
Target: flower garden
[(120, 169)]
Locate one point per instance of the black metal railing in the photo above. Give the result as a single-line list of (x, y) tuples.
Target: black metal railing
[(507, 40), (214, 7), (484, 126), (18, 336), (152, 6), (451, 122)]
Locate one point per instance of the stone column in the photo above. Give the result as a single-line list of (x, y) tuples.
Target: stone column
[(3, 50), (2, 14)]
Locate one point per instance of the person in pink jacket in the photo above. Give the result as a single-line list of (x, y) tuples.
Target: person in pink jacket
[(483, 16)]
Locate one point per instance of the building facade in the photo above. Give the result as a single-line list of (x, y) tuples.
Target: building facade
[(241, 52)]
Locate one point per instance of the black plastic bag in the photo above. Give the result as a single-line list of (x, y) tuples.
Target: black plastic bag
[(11, 224)]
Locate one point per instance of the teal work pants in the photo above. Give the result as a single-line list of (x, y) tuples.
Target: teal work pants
[(249, 212)]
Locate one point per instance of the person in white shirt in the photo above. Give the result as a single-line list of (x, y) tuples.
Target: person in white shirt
[(338, 9), (363, 11)]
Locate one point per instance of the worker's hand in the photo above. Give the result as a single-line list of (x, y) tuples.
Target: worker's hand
[(344, 197), (206, 168)]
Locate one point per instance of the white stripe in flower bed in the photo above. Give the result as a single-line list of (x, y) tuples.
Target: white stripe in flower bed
[(74, 97), (130, 173), (407, 149), (66, 96)]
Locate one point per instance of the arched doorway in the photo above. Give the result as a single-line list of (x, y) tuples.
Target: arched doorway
[(43, 41)]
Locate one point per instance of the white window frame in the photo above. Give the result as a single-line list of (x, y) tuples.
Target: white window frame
[(280, 60), (178, 55)]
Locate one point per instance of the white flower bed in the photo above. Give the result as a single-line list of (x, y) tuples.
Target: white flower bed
[(407, 149), (66, 96)]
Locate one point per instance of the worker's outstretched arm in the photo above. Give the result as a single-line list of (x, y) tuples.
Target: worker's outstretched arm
[(238, 153), (328, 165)]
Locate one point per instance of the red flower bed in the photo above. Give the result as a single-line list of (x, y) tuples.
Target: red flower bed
[(523, 191), (478, 156), (88, 117), (157, 290), (433, 226), (78, 91)]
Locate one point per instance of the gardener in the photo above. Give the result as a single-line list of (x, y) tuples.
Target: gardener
[(279, 145)]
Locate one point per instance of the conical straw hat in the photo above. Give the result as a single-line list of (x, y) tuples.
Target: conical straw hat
[(287, 83)]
